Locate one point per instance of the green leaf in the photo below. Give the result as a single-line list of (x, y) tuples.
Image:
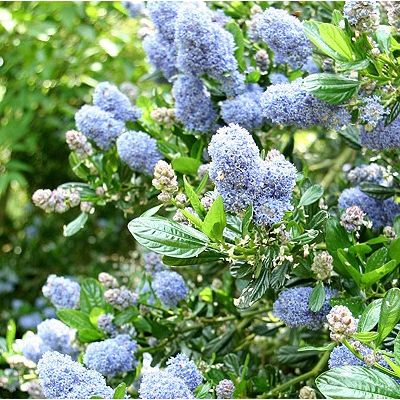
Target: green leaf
[(329, 39), (390, 313), (317, 297), (394, 250), (125, 316), (168, 237), (325, 348), (247, 218), (370, 317), (120, 391), (152, 211), (215, 220), (311, 195), (365, 337), (397, 349), (193, 198), (355, 382), (75, 319), (203, 391), (186, 165), (376, 275), (206, 257), (237, 34), (332, 88), (377, 191), (259, 283), (10, 334), (92, 295), (76, 225), (376, 259)]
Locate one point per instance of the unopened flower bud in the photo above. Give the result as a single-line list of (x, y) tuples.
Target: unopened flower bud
[(107, 280), (78, 143), (262, 60), (341, 322), (87, 207), (225, 389), (165, 180), (181, 200), (353, 219), (120, 298), (322, 265), (307, 392), (163, 116)]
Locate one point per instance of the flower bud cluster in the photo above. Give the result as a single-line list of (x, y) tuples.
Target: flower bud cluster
[(163, 115), (341, 322), (353, 219), (58, 200), (120, 298), (108, 280), (322, 265), (78, 143), (165, 180)]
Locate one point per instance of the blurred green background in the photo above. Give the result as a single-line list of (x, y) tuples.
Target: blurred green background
[(51, 55)]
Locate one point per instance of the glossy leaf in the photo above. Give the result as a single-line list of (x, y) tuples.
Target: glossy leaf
[(390, 313), (317, 297)]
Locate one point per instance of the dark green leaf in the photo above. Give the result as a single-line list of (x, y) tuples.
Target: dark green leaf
[(247, 218), (317, 297), (168, 237), (355, 382), (376, 259), (332, 88), (76, 225), (366, 337), (390, 313), (377, 191), (237, 34), (91, 296), (397, 349), (394, 250), (311, 195), (370, 316), (193, 198), (206, 257), (215, 220)]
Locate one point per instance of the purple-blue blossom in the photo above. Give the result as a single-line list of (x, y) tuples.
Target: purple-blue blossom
[(170, 287), (382, 137), (244, 110), (290, 104), (139, 151), (184, 368), (62, 292), (193, 105), (277, 78), (62, 378), (108, 98), (285, 36), (293, 309), (153, 262), (160, 384), (98, 125), (380, 212), (111, 356)]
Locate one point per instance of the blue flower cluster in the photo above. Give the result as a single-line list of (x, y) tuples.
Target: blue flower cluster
[(225, 389), (139, 151), (362, 15), (193, 105), (341, 356), (382, 137), (182, 367), (276, 78), (153, 262), (162, 385), (62, 292), (170, 287), (52, 334), (111, 356), (203, 46), (245, 109), (98, 125), (291, 105), (134, 8), (243, 178), (104, 121), (292, 308), (284, 34), (62, 378), (371, 112), (108, 98), (380, 212), (374, 173)]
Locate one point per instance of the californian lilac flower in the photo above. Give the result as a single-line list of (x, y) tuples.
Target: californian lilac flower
[(31, 346), (284, 34), (341, 356), (107, 280), (111, 356), (262, 60), (170, 287), (292, 308), (373, 172), (49, 312), (134, 8), (153, 262), (225, 389), (161, 54), (353, 218), (120, 298), (322, 265), (78, 143), (310, 66), (235, 166), (163, 15), (232, 84), (62, 292), (193, 105), (105, 323), (380, 212), (62, 378), (203, 46), (182, 367), (277, 78), (57, 336), (244, 110), (219, 17), (363, 15), (58, 200), (270, 211), (138, 150), (393, 13), (98, 125), (160, 384), (108, 98), (29, 321), (291, 105), (382, 137), (165, 180), (371, 112)]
